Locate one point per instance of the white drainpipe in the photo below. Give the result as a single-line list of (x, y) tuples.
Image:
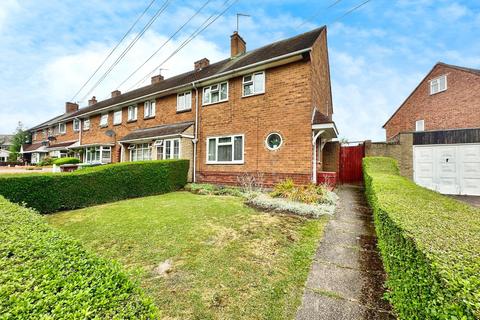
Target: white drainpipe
[(314, 158), (195, 139)]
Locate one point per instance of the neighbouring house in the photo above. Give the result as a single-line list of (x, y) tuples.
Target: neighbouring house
[(5, 143), (440, 122), (265, 113)]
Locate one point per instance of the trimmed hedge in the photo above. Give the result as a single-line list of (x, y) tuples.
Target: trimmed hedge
[(50, 192), (45, 274), (430, 246), (66, 160)]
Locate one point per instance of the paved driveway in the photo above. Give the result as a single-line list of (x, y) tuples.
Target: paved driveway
[(472, 200)]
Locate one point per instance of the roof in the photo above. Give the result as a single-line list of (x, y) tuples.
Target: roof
[(320, 118), (32, 147), (62, 144), (274, 50), (51, 121), (159, 131), (470, 70), (6, 139)]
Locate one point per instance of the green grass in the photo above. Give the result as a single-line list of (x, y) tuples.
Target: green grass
[(229, 261)]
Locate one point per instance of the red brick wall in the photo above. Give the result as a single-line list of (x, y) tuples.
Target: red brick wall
[(331, 157), (457, 107), (320, 76)]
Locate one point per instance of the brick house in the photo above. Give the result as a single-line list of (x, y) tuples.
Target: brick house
[(265, 112), (442, 116)]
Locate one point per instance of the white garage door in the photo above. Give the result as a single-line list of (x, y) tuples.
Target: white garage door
[(448, 169)]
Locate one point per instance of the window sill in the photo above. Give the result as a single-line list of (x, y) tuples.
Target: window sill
[(225, 162), (117, 124), (183, 111), (86, 129), (253, 95), (132, 121), (213, 103), (104, 126), (148, 118)]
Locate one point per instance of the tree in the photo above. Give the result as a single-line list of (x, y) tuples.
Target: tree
[(20, 137)]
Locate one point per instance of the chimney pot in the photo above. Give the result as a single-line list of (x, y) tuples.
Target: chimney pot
[(157, 79), (200, 64), (71, 107), (92, 101), (238, 46), (116, 93)]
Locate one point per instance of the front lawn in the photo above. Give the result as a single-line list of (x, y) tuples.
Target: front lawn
[(227, 260)]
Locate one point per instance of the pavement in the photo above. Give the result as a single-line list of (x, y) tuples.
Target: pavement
[(471, 200), (346, 279)]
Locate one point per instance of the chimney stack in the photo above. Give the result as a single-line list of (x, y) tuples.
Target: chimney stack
[(238, 46), (200, 64), (116, 93), (92, 101), (71, 107), (157, 79)]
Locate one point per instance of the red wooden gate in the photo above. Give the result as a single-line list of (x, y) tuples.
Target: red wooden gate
[(351, 164)]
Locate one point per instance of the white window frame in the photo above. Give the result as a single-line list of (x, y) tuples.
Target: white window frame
[(86, 124), (268, 136), (135, 147), (252, 83), (149, 109), (163, 143), (420, 125), (34, 136), (209, 94), (76, 125), (62, 125), (187, 101), (104, 120), (132, 113), (436, 83), (232, 143), (117, 117), (101, 150)]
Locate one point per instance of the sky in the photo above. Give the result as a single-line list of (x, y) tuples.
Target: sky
[(378, 53)]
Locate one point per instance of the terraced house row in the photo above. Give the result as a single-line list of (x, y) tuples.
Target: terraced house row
[(265, 112)]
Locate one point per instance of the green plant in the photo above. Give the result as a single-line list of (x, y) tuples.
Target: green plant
[(212, 189), (45, 274), (429, 244), (49, 192), (47, 161), (67, 160), (309, 193)]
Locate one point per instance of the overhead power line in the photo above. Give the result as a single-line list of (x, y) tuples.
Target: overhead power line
[(127, 49), (351, 10), (113, 50), (199, 30), (165, 43), (313, 16)]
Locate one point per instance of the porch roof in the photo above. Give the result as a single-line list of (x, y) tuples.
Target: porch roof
[(34, 147), (158, 131)]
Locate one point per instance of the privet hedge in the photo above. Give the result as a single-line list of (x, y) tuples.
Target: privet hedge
[(430, 246), (51, 192), (45, 274)]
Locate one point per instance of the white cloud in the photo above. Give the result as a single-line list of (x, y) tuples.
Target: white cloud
[(453, 12), (6, 8)]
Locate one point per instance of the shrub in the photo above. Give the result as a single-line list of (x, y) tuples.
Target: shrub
[(430, 246), (47, 161), (281, 205), (307, 194), (67, 160), (49, 192), (47, 275), (211, 189)]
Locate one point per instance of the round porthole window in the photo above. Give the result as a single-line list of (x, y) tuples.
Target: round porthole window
[(274, 141)]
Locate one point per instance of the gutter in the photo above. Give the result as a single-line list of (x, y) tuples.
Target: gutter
[(187, 85)]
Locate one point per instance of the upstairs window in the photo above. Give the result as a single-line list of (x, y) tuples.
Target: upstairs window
[(62, 128), (225, 150), (254, 84), (117, 117), (420, 125), (184, 101), (132, 113), (215, 93), (86, 124), (104, 120), (149, 109), (76, 125), (438, 85)]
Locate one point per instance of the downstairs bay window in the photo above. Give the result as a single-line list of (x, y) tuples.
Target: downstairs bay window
[(98, 154), (168, 149), (225, 150), (140, 152)]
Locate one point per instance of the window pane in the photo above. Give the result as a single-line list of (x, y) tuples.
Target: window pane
[(206, 95), (247, 89), (211, 149), (160, 152), (258, 82), (176, 148), (238, 147), (215, 96), (225, 140), (247, 79), (168, 149), (181, 101), (223, 90), (225, 153), (442, 83), (188, 101)]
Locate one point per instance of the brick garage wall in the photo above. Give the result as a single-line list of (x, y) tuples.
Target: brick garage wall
[(331, 157), (402, 151), (285, 107), (456, 108)]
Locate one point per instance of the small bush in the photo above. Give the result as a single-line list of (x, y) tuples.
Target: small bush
[(47, 275), (67, 160), (282, 205), (307, 194), (211, 189), (49, 192), (430, 246), (47, 161)]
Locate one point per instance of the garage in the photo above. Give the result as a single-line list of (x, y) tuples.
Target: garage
[(448, 161)]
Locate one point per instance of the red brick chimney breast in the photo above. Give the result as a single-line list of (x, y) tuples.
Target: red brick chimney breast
[(157, 79), (200, 64), (71, 107), (238, 46), (92, 101)]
